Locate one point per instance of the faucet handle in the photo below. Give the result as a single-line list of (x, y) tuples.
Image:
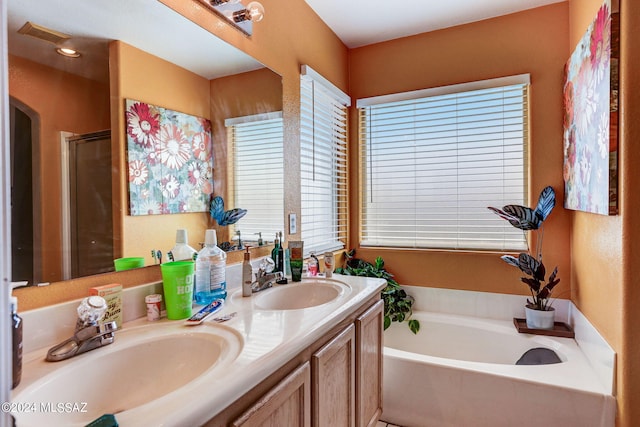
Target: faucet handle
[(96, 330)]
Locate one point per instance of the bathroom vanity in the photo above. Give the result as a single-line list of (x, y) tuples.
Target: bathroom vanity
[(334, 382), (307, 353)]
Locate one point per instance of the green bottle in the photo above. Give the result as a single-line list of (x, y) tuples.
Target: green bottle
[(277, 254)]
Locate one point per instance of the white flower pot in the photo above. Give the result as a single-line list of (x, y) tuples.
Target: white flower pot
[(540, 319)]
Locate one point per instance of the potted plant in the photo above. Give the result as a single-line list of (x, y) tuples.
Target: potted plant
[(397, 303), (538, 310)]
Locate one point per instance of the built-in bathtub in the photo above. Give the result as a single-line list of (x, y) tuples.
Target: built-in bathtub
[(459, 371)]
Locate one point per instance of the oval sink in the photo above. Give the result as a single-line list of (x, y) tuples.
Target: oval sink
[(306, 294), (142, 365)]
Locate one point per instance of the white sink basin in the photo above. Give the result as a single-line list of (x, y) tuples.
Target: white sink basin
[(144, 364), (305, 294)]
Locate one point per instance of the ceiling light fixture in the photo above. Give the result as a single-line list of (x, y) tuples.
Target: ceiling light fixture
[(240, 16), (254, 13), (68, 52)]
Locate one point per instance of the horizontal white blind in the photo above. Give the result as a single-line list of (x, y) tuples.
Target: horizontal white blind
[(257, 154), (323, 165), (432, 165)]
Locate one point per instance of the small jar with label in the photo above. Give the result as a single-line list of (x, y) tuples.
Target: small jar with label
[(153, 306)]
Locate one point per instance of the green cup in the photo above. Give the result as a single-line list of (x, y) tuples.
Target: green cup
[(122, 264), (177, 282)]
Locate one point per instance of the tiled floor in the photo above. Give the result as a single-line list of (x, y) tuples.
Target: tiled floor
[(385, 424)]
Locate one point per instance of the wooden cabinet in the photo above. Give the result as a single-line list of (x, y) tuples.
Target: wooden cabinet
[(287, 404), (369, 327), (335, 382), (333, 378)]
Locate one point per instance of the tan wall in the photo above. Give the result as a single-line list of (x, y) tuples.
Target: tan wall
[(605, 250), (64, 102), (532, 42), (290, 35), (144, 77)]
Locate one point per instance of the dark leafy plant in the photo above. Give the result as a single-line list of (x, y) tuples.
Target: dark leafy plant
[(530, 263), (397, 303)]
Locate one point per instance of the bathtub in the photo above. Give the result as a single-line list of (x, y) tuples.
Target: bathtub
[(460, 372)]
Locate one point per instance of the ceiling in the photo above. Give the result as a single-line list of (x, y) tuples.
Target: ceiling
[(146, 24), (151, 26), (363, 22)]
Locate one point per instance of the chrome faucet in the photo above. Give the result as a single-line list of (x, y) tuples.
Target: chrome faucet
[(265, 280), (83, 340), (89, 334)]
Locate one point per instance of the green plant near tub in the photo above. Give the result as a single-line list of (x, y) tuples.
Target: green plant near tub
[(530, 262), (397, 303)]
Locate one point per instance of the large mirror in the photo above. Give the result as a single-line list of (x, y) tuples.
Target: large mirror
[(69, 184)]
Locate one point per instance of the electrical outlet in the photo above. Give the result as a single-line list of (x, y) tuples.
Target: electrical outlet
[(293, 223)]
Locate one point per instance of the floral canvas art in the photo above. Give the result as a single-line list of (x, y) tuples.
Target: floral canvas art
[(591, 118), (170, 160)]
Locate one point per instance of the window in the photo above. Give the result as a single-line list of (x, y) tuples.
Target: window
[(433, 160), (323, 163), (255, 169)]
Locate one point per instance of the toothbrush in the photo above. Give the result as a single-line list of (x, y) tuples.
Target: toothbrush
[(159, 256), (153, 255), (170, 256)]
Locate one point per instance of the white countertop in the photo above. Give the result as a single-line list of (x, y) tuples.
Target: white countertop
[(270, 338)]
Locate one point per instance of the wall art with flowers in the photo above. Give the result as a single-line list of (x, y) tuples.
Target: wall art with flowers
[(591, 117), (170, 158)]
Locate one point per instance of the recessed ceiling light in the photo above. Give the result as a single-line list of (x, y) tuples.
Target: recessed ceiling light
[(65, 51)]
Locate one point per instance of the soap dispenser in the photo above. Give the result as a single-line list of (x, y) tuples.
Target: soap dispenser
[(247, 274), (16, 338)]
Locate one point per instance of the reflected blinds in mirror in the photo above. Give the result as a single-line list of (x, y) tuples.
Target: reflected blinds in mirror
[(433, 160), (256, 167), (323, 163)]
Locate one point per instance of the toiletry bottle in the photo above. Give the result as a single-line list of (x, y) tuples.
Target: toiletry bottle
[(247, 274), (211, 266), (277, 255), (16, 336), (281, 254), (329, 264), (314, 265), (182, 251)]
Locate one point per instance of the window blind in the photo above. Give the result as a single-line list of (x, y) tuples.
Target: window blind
[(256, 173), (432, 164), (323, 163)]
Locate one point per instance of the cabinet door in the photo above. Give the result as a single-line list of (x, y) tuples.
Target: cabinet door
[(369, 327), (333, 373), (287, 404)]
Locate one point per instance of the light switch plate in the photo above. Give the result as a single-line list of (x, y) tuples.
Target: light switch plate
[(293, 223)]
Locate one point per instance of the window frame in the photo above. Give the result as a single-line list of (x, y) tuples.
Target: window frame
[(267, 231), (324, 117), (517, 242)]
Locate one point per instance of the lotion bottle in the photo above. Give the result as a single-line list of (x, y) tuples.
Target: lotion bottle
[(247, 274)]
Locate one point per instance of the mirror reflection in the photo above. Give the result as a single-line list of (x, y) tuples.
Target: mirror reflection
[(69, 177)]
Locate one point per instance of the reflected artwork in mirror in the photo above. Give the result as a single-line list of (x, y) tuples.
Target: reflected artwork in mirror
[(125, 51), (170, 160)]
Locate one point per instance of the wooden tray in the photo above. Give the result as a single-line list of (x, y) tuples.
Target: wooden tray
[(560, 329)]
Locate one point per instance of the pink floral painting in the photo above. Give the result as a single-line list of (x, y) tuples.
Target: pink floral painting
[(591, 117), (170, 158)]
